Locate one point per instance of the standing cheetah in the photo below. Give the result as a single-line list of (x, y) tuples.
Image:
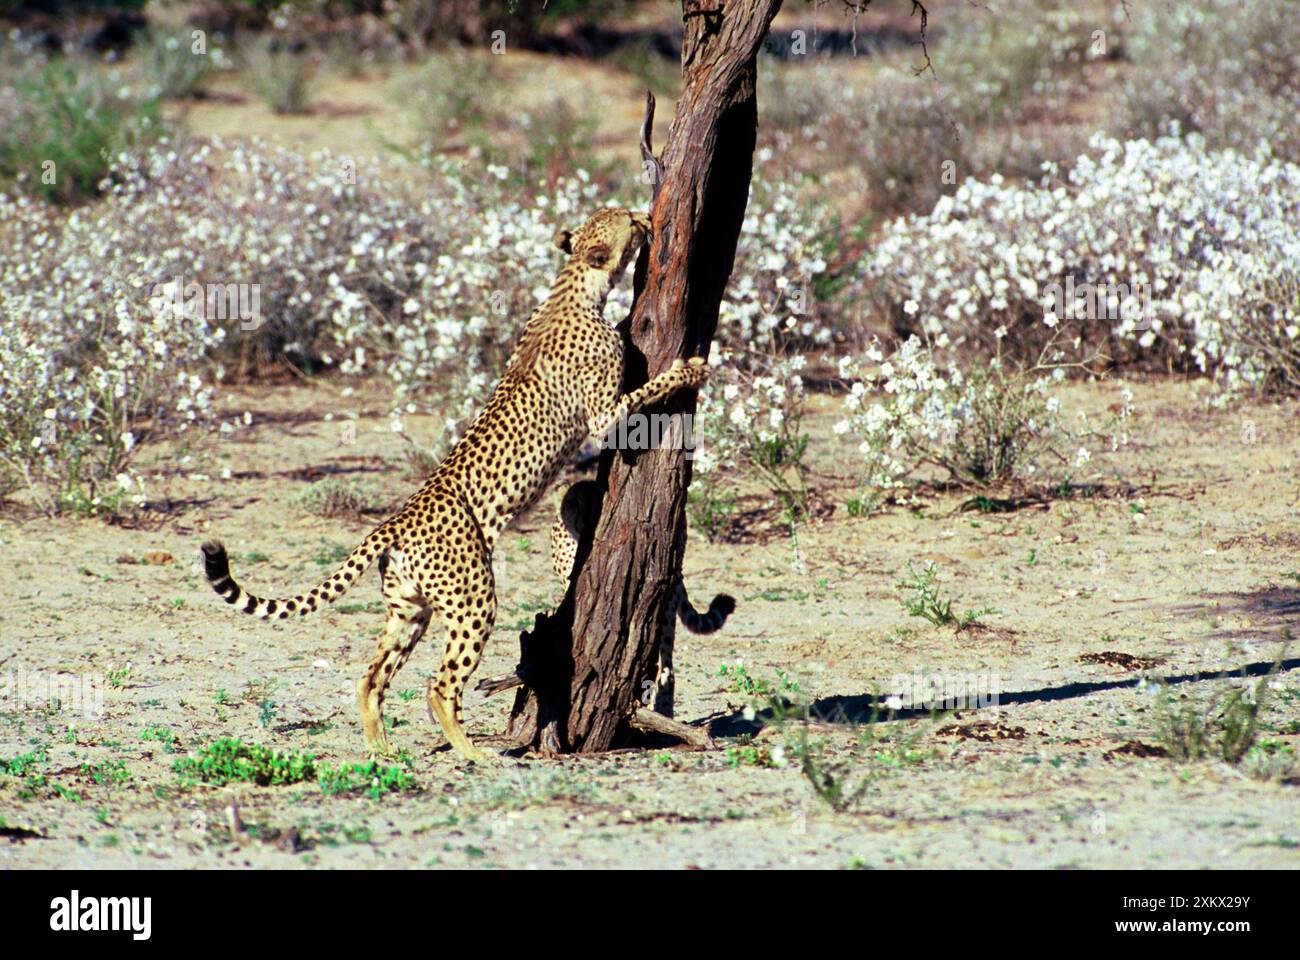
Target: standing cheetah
[(562, 383)]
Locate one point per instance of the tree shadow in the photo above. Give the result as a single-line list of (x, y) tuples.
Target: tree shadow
[(1270, 610), (314, 472), (860, 709)]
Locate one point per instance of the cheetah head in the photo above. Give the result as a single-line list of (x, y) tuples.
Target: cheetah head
[(604, 245)]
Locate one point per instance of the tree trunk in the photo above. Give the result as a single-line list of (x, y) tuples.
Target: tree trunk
[(591, 664)]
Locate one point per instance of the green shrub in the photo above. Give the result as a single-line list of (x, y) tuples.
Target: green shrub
[(62, 122), (337, 497), (1224, 728), (372, 778), (230, 760), (171, 65), (283, 77)]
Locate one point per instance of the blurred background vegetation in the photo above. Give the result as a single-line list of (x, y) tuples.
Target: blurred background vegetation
[(544, 87), (207, 138)]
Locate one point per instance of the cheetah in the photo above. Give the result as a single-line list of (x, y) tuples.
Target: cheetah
[(562, 383)]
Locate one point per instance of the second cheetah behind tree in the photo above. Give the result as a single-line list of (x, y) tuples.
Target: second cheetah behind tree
[(562, 383)]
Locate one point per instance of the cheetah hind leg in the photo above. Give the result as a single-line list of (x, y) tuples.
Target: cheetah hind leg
[(576, 507), (467, 634), (407, 621), (444, 695)]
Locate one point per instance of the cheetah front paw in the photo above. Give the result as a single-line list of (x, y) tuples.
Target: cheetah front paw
[(694, 372)]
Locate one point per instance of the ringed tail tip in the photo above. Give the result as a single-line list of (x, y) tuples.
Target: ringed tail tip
[(215, 562)]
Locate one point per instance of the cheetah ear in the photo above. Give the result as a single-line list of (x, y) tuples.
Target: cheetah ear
[(564, 240), (597, 256)]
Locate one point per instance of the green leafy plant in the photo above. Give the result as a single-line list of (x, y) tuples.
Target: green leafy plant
[(830, 780), (61, 122), (22, 764), (1272, 761), (1224, 728), (749, 755), (163, 735), (924, 599), (110, 772), (372, 778), (739, 681), (230, 760), (708, 509)]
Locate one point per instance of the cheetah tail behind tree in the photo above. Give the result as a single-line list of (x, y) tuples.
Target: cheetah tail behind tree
[(217, 567), (711, 620)]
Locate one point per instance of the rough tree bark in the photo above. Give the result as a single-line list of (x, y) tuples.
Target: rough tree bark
[(588, 667)]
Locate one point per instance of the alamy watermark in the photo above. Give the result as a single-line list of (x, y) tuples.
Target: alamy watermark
[(653, 431), (1122, 302), (75, 913), (940, 691), (39, 690), (209, 301)]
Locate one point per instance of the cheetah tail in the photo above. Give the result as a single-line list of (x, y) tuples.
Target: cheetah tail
[(217, 566), (709, 622)]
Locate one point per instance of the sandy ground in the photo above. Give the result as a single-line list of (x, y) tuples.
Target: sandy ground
[(1182, 565)]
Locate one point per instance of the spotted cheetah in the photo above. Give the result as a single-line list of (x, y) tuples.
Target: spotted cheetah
[(562, 383)]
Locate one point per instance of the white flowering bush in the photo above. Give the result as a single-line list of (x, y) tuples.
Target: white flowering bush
[(462, 316), (431, 289), (751, 419), (780, 307), (1208, 240), (346, 269), (459, 323), (88, 366), (1229, 69), (777, 294), (985, 426)]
